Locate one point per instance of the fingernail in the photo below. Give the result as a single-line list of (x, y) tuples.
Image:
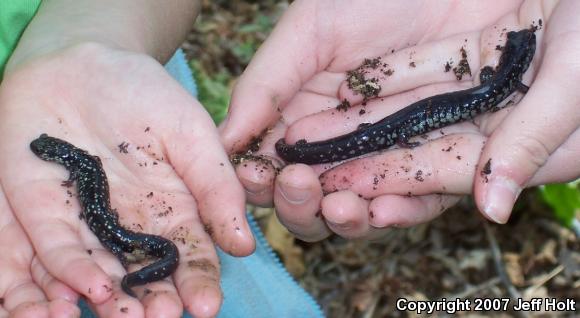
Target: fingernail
[(292, 194), (207, 302), (254, 188), (340, 226), (501, 196)]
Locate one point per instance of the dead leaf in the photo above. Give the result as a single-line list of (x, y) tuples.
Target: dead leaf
[(363, 299), (418, 233), (547, 252), (283, 242), (475, 259), (514, 268)]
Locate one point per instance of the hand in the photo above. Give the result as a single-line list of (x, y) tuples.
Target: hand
[(173, 180), (539, 142), (298, 75), (449, 164), (26, 288)]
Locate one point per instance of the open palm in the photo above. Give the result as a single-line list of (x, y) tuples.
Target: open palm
[(166, 169)]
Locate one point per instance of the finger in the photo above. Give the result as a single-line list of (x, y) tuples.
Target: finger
[(350, 216), (16, 284), (432, 62), (119, 304), (346, 214), (403, 211), (318, 94), (57, 308), (198, 275), (56, 241), (442, 165), (162, 300), (53, 288), (257, 178), (159, 298), (525, 140), (258, 97), (257, 171), (62, 308), (199, 159), (563, 165), (19, 293), (297, 199)]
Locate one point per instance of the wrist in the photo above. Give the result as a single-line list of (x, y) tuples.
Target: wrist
[(141, 26), (35, 47)]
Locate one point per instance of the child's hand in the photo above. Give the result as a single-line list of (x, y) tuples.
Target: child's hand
[(26, 288), (167, 172)]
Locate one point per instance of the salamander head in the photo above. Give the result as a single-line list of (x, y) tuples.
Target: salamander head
[(524, 36), (517, 54), (52, 149), (523, 41)]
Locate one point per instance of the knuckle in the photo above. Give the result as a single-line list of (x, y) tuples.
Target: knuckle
[(534, 150)]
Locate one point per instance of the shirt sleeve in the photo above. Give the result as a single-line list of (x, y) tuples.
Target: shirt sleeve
[(14, 17)]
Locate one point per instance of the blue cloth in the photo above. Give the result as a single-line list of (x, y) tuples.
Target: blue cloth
[(178, 68), (256, 286), (259, 285)]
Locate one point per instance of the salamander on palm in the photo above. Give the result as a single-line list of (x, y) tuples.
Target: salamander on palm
[(93, 194), (427, 114)]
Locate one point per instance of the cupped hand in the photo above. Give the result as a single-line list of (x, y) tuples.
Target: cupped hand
[(298, 78), (26, 288), (537, 141), (167, 172)]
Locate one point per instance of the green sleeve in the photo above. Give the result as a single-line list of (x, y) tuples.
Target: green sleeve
[(14, 17)]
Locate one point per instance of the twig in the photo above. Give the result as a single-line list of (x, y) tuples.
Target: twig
[(496, 253), (475, 289), (372, 308), (544, 278)]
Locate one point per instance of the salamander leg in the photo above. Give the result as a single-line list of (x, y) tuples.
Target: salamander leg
[(403, 142), (363, 126), (117, 251), (486, 74), (523, 88), (71, 179)]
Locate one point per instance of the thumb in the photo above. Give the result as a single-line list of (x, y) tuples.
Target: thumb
[(524, 141), (277, 71), (194, 151)]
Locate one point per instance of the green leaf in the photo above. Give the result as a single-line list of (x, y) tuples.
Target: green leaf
[(213, 92), (261, 23), (244, 51), (564, 200)]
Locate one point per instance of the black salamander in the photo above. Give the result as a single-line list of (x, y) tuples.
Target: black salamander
[(93, 194), (427, 114)]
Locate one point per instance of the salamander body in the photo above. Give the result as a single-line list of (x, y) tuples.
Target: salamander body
[(93, 194), (427, 114)]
